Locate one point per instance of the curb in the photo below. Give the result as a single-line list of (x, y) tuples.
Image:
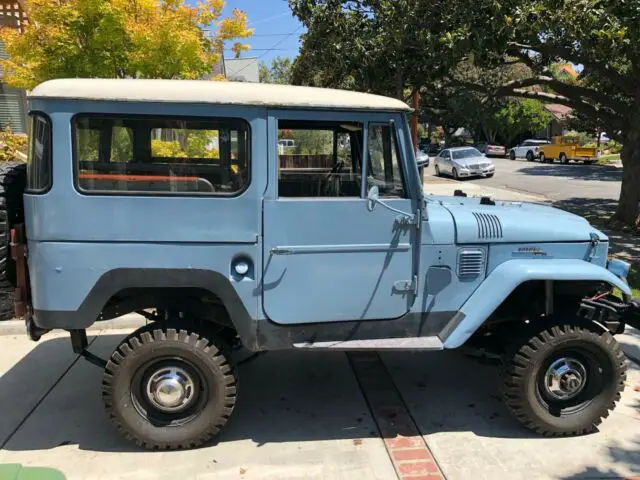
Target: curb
[(129, 321)]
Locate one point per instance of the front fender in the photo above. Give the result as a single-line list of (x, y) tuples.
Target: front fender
[(507, 276)]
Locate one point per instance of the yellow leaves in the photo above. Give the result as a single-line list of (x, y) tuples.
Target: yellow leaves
[(116, 38)]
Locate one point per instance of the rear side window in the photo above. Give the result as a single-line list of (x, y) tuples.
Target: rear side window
[(39, 156), (161, 155)]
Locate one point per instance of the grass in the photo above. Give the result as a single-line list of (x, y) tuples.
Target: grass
[(614, 157)]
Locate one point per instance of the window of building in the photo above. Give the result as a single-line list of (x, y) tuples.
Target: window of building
[(39, 155), (319, 159), (385, 169), (161, 155)]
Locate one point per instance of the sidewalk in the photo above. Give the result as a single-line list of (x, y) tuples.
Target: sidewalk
[(445, 187), (312, 415)]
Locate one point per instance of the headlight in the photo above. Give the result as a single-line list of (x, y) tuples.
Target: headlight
[(619, 268)]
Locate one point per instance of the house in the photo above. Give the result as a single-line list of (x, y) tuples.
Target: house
[(558, 124), (13, 102), (242, 69)]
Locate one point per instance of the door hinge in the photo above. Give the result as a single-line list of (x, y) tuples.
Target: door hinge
[(407, 285), (407, 220)]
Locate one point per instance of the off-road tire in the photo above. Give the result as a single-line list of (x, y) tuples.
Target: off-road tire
[(529, 359), (146, 348), (13, 176)]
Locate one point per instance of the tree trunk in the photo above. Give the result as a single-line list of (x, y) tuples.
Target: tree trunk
[(628, 211)]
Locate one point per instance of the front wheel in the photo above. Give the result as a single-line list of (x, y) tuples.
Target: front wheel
[(512, 155), (564, 159), (169, 389), (437, 171), (454, 172), (564, 380)]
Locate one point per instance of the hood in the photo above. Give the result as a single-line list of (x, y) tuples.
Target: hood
[(471, 161), (515, 222)]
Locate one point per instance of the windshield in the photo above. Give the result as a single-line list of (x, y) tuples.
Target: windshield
[(466, 153)]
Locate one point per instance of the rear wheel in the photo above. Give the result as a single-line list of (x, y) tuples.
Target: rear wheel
[(168, 388), (564, 380), (589, 162), (563, 158), (543, 158), (530, 157)]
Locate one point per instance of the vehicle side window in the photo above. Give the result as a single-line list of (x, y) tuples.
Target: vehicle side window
[(319, 159), (162, 155), (385, 170), (39, 155)]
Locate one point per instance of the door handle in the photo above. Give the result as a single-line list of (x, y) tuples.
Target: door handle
[(281, 251)]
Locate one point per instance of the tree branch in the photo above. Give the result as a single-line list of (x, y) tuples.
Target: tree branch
[(572, 56)]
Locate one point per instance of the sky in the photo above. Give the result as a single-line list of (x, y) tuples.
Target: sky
[(276, 30)]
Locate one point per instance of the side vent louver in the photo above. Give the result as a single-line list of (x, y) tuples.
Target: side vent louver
[(470, 263), (489, 225)]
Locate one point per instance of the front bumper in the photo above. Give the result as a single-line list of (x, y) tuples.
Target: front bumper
[(612, 312), (482, 172)]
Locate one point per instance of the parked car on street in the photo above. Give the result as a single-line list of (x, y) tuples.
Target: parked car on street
[(227, 249), (529, 149), (491, 150), (567, 148), (463, 162), (422, 159)]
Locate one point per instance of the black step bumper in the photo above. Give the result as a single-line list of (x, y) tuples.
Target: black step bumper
[(611, 312)]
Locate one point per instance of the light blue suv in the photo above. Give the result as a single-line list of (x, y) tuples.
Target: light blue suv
[(173, 199)]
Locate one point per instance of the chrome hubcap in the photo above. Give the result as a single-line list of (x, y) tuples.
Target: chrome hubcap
[(170, 389), (565, 378)]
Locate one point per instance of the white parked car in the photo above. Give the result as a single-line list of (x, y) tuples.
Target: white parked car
[(462, 162), (528, 149)]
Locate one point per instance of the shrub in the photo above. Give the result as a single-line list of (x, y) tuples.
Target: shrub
[(614, 147), (12, 146)]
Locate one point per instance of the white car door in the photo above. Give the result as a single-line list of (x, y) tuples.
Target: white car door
[(522, 150)]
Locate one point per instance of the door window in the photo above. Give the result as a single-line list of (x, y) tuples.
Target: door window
[(385, 170), (319, 159)]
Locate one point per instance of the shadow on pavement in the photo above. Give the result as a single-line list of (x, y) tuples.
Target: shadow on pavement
[(284, 396), (602, 173), (598, 211), (619, 455)]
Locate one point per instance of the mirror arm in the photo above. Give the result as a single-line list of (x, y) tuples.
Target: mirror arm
[(403, 218)]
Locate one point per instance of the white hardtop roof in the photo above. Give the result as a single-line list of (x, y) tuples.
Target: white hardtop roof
[(212, 92)]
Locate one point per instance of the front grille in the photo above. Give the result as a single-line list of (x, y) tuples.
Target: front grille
[(470, 263), (489, 226)]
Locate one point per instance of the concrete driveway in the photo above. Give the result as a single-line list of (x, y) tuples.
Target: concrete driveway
[(307, 415)]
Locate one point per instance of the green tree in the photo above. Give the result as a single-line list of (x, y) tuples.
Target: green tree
[(520, 116), (279, 71), (119, 38)]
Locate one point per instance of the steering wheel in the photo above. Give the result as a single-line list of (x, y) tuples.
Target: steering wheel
[(327, 183)]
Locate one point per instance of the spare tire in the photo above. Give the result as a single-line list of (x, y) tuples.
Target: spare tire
[(13, 179)]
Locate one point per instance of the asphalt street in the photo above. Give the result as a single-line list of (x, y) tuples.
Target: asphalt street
[(557, 182)]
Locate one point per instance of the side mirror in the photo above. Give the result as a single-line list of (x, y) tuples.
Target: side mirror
[(373, 197)]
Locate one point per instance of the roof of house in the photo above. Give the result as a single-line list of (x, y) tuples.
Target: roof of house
[(560, 112), (242, 69), (210, 92)]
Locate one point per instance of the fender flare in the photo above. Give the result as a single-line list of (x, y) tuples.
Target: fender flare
[(115, 280), (506, 277)]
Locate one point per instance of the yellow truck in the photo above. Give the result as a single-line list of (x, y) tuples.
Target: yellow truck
[(567, 148)]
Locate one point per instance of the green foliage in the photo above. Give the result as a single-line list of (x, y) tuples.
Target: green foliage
[(520, 116), (614, 147), (119, 38), (313, 142), (279, 71), (583, 138)]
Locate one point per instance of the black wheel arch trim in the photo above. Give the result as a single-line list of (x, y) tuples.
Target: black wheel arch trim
[(120, 279)]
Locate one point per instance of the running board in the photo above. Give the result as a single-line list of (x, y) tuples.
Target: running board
[(412, 343)]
